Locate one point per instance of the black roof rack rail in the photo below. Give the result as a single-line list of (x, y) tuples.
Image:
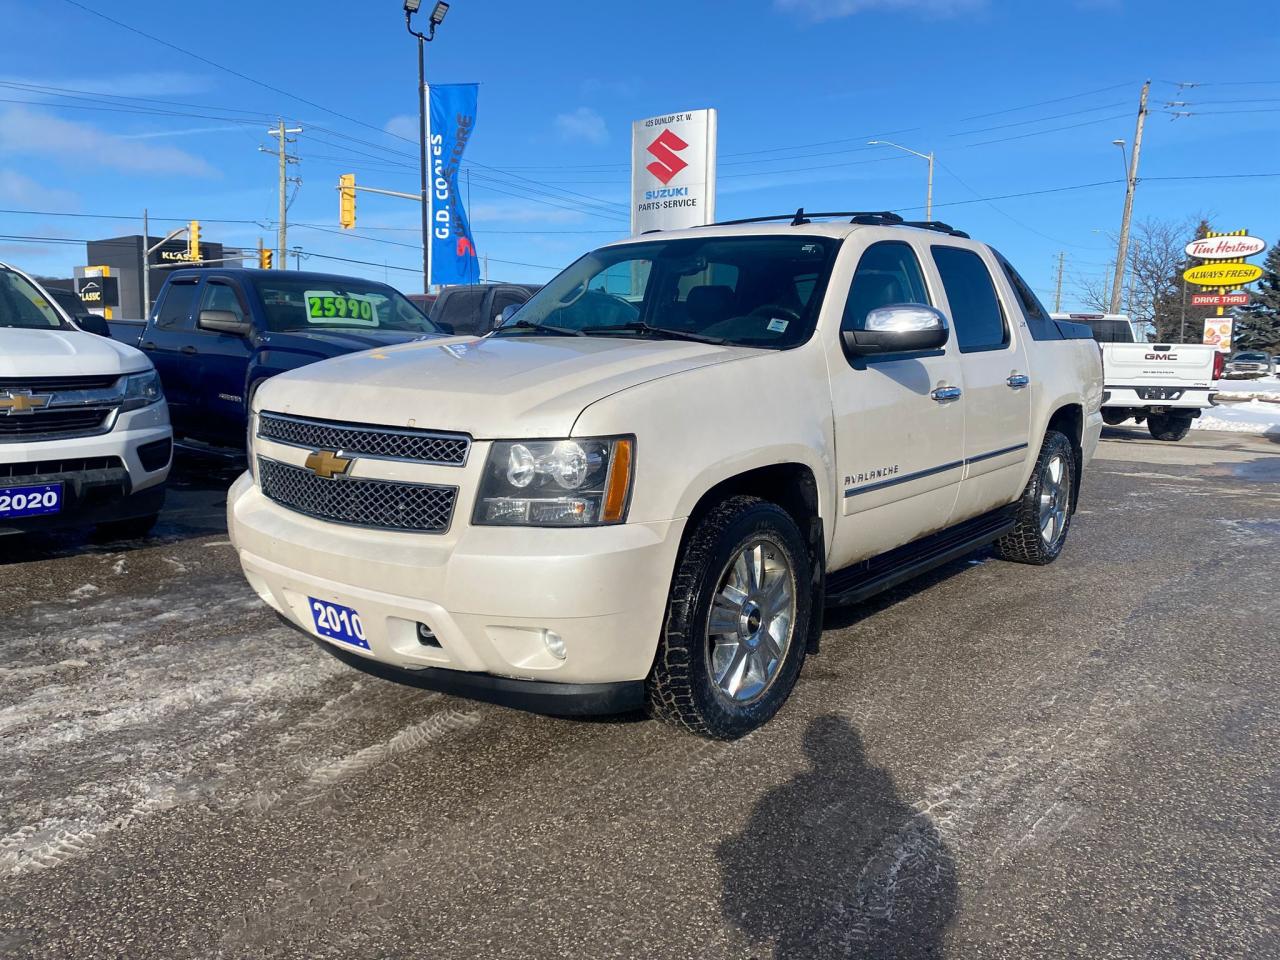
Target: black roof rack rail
[(936, 225), (801, 217)]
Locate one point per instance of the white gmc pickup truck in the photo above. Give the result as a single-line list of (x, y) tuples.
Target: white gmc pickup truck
[(84, 430), (643, 488), (1165, 384)]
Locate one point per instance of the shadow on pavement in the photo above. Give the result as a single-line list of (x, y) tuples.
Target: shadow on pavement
[(836, 864)]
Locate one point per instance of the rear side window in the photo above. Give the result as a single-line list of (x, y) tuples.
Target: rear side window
[(462, 311), (1030, 303), (975, 310), (888, 272), (174, 311)]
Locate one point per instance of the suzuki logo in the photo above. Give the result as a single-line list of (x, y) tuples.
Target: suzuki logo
[(22, 402), (326, 464), (667, 164)]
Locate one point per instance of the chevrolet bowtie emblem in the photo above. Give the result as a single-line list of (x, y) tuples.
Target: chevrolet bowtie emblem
[(327, 464), (23, 401)]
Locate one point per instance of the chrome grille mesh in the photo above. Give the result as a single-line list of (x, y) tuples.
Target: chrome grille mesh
[(385, 504), (418, 446)]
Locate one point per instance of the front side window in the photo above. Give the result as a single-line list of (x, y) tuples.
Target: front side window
[(757, 291), (22, 305), (302, 302), (220, 296), (174, 312), (888, 272), (975, 310)]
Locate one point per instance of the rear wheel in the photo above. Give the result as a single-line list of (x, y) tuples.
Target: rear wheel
[(737, 618), (1116, 416), (1168, 426), (1044, 511)]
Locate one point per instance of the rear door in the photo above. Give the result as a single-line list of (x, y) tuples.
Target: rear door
[(997, 381), (168, 341), (221, 363), (899, 436)]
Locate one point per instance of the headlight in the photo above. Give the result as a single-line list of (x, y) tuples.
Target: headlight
[(556, 483), (141, 390)]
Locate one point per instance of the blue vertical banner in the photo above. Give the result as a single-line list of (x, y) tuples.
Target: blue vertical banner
[(453, 120)]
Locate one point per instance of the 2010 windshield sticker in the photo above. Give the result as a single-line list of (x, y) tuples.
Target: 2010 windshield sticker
[(777, 326), (327, 307)]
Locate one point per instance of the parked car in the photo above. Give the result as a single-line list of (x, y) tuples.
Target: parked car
[(1249, 365), (475, 310), (77, 310), (84, 430), (422, 301), (1167, 385), (216, 334), (643, 489)]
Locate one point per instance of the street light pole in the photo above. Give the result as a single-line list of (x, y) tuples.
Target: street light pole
[(928, 198), (437, 17)]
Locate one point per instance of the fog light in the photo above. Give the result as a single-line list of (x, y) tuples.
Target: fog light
[(555, 644), (427, 637)]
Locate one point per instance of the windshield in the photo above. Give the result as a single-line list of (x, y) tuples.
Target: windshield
[(1252, 357), (337, 303), (749, 291), (23, 305)]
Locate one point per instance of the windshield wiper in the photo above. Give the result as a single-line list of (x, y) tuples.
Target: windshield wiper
[(639, 326), (540, 328)]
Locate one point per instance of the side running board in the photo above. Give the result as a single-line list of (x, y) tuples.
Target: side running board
[(862, 580)]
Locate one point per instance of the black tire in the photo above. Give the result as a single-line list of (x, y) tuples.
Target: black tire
[(680, 688), (1026, 543), (135, 528), (1115, 417), (1168, 426)]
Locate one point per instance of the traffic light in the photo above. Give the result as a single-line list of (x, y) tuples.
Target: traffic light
[(265, 258), (193, 241), (347, 201)]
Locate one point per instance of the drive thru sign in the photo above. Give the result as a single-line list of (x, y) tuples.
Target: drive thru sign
[(673, 171)]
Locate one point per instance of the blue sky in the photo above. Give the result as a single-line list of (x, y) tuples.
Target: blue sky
[(1014, 97)]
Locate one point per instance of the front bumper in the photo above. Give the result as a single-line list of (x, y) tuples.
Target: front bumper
[(490, 595)]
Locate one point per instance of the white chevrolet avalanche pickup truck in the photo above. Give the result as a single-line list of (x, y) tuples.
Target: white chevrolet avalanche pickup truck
[(644, 487), (84, 430)]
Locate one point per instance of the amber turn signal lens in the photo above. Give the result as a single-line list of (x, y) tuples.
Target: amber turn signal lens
[(618, 484)]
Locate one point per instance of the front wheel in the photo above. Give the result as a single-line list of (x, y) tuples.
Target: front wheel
[(1044, 510), (1168, 426), (737, 619)]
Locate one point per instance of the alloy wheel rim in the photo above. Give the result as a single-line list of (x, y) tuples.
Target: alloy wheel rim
[(1055, 500), (749, 625)]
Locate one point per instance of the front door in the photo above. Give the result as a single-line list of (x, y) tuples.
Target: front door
[(221, 363), (997, 385), (167, 341), (899, 426)]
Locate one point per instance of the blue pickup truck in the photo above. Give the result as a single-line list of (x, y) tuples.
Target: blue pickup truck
[(215, 334)]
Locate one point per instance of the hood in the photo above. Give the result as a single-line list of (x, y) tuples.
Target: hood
[(489, 388), (336, 342), (65, 353)]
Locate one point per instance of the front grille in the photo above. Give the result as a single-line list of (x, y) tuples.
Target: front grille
[(50, 384), (41, 468), (53, 423), (419, 446), (361, 502)]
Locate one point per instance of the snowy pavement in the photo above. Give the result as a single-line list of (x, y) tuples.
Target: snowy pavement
[(997, 761), (1244, 406)]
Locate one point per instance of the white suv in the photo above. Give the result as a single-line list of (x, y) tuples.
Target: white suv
[(84, 429), (644, 487)]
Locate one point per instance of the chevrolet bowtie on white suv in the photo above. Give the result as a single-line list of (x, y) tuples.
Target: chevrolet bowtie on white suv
[(643, 488), (84, 430)]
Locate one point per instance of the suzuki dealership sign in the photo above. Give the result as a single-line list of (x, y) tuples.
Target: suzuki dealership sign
[(673, 171)]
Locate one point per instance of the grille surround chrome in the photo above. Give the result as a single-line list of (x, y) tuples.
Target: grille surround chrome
[(367, 441), (355, 501)]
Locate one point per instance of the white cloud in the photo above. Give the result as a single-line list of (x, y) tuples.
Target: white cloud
[(31, 133), (834, 9), (159, 134), (403, 125), (582, 124), (19, 190)]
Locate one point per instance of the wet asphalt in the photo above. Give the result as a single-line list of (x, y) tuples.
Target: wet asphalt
[(995, 761)]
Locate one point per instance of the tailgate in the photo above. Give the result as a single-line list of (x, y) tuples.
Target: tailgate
[(1132, 364)]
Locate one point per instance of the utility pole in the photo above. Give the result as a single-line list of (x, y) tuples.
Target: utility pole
[(282, 133), (1131, 182), (1057, 296), (146, 266)]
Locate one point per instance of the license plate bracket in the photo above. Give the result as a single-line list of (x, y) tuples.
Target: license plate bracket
[(30, 500), (334, 621)]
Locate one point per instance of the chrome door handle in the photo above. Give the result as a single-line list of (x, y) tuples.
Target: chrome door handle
[(1017, 380), (946, 394)]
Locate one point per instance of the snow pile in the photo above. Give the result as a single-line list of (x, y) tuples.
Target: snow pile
[(1262, 389), (1253, 416)]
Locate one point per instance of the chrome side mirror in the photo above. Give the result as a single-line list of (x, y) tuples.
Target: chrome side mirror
[(897, 328)]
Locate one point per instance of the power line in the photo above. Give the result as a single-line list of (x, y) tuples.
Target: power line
[(1043, 103), (1038, 133)]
